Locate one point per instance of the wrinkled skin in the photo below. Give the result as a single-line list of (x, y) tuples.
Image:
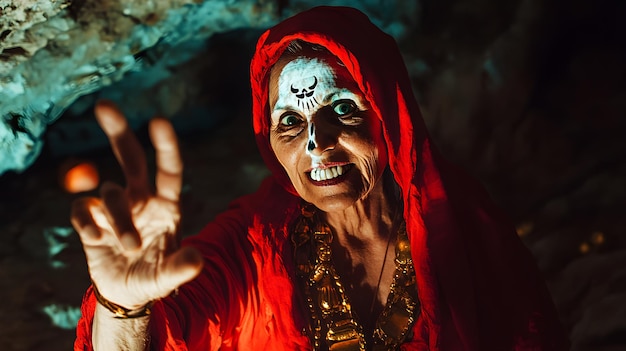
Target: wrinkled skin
[(129, 234), (330, 126)]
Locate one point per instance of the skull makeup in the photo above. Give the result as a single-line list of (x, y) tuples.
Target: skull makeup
[(305, 82), (302, 93), (323, 131)]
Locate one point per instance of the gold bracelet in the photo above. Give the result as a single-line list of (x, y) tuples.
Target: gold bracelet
[(121, 312)]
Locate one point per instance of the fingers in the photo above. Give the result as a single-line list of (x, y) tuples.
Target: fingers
[(182, 266), (168, 161), (83, 221), (125, 146), (116, 205)]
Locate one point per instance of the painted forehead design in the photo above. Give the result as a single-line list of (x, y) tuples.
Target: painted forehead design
[(304, 82)]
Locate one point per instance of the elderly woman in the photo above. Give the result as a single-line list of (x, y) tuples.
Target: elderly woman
[(363, 238)]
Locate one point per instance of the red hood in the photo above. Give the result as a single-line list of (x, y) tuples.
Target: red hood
[(478, 285), (382, 77)]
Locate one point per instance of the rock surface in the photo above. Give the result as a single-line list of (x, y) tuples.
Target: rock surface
[(53, 52)]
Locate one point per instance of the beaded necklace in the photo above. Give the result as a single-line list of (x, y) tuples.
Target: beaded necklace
[(330, 310)]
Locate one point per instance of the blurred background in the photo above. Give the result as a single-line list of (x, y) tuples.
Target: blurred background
[(528, 95)]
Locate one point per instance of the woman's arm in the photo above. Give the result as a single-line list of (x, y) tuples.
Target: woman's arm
[(110, 333), (129, 235)]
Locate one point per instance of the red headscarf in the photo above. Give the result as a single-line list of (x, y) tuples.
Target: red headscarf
[(478, 285)]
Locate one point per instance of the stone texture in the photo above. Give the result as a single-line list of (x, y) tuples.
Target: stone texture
[(54, 52), (25, 27)]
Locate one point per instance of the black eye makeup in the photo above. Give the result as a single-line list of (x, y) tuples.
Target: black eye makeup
[(290, 124), (344, 107), (347, 112), (289, 120)]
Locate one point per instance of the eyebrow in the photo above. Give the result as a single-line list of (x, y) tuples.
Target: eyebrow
[(284, 108), (346, 91)]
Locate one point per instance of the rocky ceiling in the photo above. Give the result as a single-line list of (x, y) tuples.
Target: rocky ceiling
[(54, 52), (529, 95)]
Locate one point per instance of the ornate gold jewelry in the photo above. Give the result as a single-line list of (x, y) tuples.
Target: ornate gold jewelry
[(121, 312), (330, 310)]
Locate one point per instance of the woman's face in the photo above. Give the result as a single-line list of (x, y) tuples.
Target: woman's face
[(324, 133)]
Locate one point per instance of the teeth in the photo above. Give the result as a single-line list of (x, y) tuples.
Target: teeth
[(318, 174), (329, 174)]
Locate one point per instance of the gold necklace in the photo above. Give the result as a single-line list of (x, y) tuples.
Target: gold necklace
[(380, 276), (329, 308)]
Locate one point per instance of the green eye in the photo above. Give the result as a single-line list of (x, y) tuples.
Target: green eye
[(289, 120), (344, 107)]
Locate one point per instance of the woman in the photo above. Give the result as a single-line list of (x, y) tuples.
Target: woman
[(363, 237)]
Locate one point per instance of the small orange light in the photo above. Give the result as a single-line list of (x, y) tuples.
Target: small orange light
[(524, 229), (584, 248), (81, 177), (597, 238)]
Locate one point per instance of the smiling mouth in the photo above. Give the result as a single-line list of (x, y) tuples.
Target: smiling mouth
[(329, 175)]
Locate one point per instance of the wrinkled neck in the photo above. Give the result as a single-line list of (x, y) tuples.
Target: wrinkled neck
[(369, 220)]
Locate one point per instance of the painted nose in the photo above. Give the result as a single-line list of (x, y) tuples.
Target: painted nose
[(320, 140)]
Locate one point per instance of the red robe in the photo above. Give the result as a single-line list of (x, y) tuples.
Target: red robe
[(478, 286)]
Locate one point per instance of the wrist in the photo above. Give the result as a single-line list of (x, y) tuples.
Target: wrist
[(121, 312), (110, 333)]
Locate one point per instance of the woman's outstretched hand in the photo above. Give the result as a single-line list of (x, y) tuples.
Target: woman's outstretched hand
[(129, 234)]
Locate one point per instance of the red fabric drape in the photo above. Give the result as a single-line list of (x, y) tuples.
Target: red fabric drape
[(478, 285)]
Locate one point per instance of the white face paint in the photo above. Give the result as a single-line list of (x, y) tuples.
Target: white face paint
[(307, 84), (324, 132), (303, 84)]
